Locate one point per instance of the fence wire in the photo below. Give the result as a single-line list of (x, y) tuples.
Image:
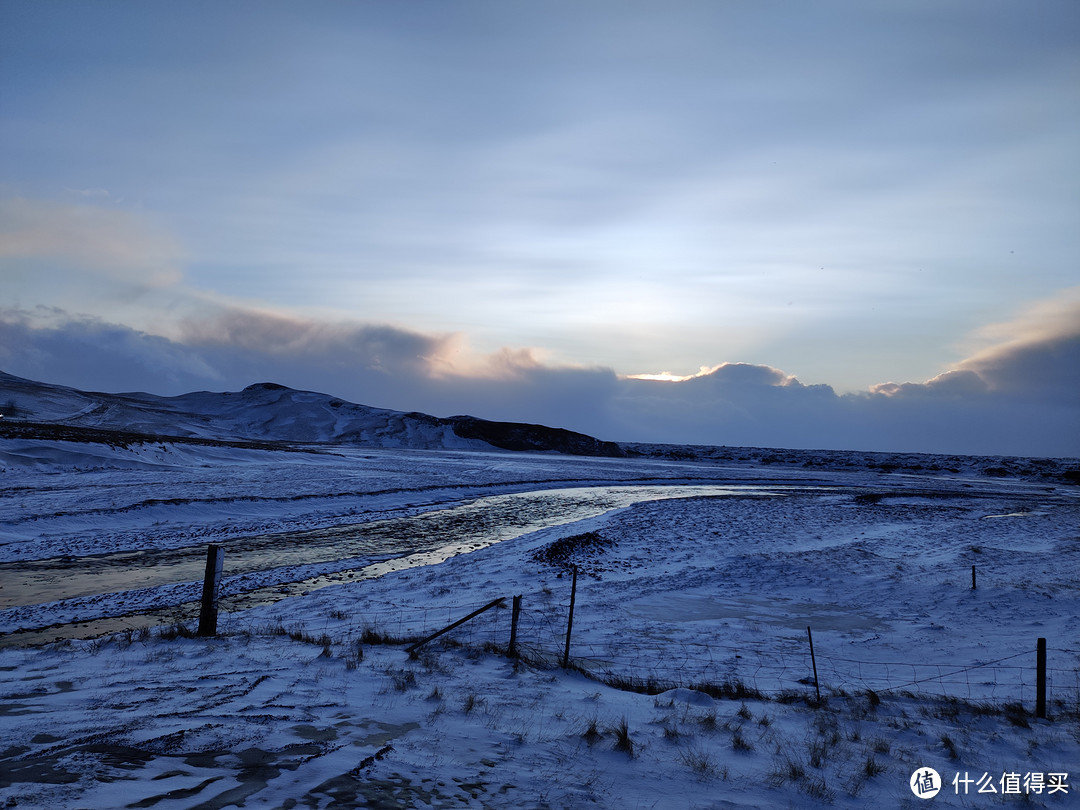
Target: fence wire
[(651, 661)]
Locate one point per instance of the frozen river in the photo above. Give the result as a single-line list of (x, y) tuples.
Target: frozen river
[(266, 567)]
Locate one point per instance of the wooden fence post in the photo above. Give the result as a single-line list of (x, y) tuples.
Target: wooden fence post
[(512, 649), (449, 627), (208, 612), (570, 620), (1040, 678), (813, 662)]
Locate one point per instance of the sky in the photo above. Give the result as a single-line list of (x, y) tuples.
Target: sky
[(837, 224)]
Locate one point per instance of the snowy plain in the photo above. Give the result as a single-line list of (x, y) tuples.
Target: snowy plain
[(692, 684)]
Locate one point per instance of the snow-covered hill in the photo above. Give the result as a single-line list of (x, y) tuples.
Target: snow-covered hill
[(93, 425), (265, 412)]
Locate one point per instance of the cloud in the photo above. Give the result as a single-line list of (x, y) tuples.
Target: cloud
[(279, 338), (732, 404), (51, 345), (388, 366), (949, 384), (1033, 358), (1038, 354), (118, 245), (1015, 398), (744, 405)]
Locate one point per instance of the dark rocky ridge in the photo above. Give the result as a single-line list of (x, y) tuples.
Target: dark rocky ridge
[(517, 436)]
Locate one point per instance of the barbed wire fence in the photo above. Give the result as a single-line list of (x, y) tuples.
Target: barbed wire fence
[(650, 660), (780, 668)]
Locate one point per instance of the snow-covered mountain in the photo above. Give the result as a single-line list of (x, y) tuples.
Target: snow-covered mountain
[(272, 416), (265, 412)]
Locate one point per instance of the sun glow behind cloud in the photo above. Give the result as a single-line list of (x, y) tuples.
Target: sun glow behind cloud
[(667, 376), (663, 376)]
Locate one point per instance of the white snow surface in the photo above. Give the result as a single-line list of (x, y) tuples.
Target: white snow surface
[(261, 411), (696, 584)]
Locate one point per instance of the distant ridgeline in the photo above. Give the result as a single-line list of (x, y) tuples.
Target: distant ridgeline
[(1061, 470), (272, 416)]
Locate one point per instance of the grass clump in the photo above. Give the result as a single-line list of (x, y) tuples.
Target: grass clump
[(172, 632), (786, 769), (819, 753), (131, 635), (702, 764), (1017, 715), (871, 767), (299, 634), (370, 635), (815, 788), (708, 720), (592, 734), (730, 690), (623, 740), (579, 550), (740, 743), (950, 746), (881, 745), (789, 769), (353, 659), (402, 679)]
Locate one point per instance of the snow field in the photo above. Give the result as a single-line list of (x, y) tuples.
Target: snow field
[(297, 705), (257, 718)]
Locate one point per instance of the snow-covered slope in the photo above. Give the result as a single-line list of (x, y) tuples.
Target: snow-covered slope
[(259, 412), (267, 412)]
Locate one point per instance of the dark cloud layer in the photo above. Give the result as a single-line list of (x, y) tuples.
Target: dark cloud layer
[(1019, 398), (1047, 368), (93, 355)]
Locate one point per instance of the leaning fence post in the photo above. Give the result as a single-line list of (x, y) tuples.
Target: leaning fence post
[(215, 559), (516, 612), (458, 623), (1040, 678), (570, 620), (813, 662)]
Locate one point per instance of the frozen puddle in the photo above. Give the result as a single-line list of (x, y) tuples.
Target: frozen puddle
[(778, 612)]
